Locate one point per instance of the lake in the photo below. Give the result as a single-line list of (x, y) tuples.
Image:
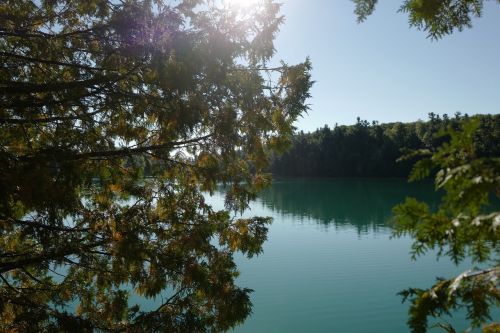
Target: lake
[(329, 264)]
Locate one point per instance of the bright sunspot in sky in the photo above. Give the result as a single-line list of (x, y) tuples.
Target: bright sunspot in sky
[(241, 3)]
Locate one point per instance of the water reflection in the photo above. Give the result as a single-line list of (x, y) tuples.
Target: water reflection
[(360, 203)]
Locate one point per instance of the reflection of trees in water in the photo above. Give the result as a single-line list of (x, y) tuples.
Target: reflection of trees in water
[(362, 203)]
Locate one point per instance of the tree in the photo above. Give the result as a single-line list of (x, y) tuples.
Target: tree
[(462, 226), (372, 150), (436, 17), (92, 93)]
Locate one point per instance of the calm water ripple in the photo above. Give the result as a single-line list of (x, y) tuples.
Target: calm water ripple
[(329, 264)]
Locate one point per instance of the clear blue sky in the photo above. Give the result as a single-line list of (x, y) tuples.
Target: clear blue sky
[(383, 70)]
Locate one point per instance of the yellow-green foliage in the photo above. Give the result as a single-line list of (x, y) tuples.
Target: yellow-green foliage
[(463, 226), (93, 96)]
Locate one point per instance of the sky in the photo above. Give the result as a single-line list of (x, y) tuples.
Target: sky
[(386, 71)]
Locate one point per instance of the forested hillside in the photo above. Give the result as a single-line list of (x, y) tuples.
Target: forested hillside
[(371, 149)]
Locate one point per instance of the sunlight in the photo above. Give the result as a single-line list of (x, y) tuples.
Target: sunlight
[(241, 3)]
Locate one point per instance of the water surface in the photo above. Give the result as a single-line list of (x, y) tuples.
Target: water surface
[(329, 264)]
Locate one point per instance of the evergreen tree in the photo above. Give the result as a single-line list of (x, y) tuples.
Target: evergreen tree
[(372, 150), (436, 17), (462, 226), (93, 94)]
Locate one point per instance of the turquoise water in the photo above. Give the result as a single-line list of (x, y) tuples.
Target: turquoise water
[(329, 264)]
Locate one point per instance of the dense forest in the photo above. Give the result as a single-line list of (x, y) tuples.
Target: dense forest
[(372, 149)]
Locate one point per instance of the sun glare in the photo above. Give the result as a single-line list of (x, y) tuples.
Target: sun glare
[(241, 3)]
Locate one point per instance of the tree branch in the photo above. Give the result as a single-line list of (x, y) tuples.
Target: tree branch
[(138, 150), (49, 62), (47, 227)]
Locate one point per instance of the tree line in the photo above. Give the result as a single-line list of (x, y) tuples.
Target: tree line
[(372, 150)]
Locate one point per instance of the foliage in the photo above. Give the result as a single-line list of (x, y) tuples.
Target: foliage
[(436, 17), (469, 174), (92, 94), (371, 149), (461, 228)]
